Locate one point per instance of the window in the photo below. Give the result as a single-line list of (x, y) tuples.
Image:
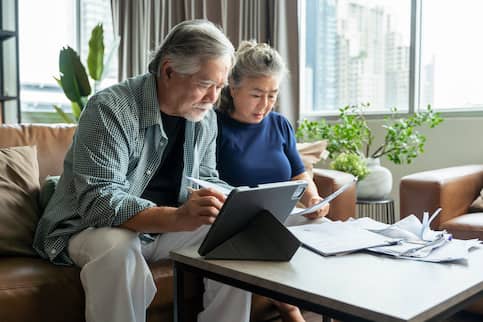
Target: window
[(42, 35), (358, 51), (452, 54)]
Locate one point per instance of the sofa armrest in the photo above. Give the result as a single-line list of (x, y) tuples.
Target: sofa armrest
[(328, 181), (453, 189)]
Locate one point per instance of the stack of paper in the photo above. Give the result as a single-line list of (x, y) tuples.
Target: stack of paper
[(334, 238), (418, 241)]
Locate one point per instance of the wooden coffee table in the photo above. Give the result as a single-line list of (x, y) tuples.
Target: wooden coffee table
[(354, 287)]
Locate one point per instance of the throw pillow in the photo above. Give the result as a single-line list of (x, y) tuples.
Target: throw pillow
[(311, 153), (477, 205), (19, 189), (47, 190)]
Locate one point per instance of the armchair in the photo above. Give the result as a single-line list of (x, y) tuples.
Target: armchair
[(453, 189)]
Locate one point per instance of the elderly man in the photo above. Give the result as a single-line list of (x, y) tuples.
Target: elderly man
[(123, 198)]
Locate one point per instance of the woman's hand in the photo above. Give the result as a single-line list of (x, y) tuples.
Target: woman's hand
[(322, 212)]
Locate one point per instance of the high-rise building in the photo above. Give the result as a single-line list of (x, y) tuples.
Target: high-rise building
[(321, 35)]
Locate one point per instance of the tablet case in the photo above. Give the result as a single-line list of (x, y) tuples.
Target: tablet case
[(250, 224)]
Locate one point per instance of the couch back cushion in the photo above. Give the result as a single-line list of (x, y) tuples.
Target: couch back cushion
[(19, 190), (52, 141)]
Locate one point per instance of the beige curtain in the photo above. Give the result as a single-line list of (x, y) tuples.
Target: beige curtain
[(142, 24), (286, 40)]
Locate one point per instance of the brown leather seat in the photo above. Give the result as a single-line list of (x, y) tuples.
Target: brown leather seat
[(32, 289), (453, 189)]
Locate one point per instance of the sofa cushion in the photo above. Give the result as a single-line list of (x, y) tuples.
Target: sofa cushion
[(477, 205), (52, 141), (34, 289), (467, 226), (311, 153), (19, 190)]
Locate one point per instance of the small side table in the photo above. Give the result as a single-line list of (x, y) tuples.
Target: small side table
[(380, 210)]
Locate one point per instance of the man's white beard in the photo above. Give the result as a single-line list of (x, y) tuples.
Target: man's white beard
[(198, 112)]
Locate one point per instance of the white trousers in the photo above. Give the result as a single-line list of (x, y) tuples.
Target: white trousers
[(118, 283)]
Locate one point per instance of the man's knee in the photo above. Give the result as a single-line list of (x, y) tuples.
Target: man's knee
[(95, 243)]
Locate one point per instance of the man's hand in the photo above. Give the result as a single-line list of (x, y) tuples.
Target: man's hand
[(322, 212), (201, 208)]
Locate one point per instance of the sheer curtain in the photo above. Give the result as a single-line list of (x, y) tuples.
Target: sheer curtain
[(141, 26)]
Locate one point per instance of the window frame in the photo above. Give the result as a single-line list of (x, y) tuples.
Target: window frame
[(78, 31), (416, 16)]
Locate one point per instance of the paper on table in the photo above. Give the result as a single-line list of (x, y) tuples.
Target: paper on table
[(454, 250), (332, 238), (207, 184), (322, 203)]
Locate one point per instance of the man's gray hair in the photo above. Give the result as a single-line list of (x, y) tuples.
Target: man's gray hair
[(189, 43)]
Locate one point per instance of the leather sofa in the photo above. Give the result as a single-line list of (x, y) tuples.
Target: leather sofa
[(34, 290), (453, 189)]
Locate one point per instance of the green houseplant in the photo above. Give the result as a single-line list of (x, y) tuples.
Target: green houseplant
[(351, 141), (73, 78)]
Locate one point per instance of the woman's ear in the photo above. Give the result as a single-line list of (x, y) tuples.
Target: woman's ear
[(232, 91)]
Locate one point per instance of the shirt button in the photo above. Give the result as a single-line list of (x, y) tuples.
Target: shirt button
[(148, 172)]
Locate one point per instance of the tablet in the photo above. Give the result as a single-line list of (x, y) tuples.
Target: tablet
[(244, 203)]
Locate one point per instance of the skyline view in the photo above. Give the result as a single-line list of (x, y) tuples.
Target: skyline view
[(357, 51)]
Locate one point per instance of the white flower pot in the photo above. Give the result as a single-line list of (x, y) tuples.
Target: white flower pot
[(377, 185)]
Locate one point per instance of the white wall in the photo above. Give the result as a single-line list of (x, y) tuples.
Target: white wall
[(456, 141)]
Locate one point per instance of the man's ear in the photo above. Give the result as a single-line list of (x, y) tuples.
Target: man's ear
[(169, 71), (166, 70)]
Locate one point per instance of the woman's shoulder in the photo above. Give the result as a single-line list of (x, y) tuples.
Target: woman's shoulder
[(278, 119)]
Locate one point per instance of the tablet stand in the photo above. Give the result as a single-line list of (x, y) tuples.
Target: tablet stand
[(263, 238)]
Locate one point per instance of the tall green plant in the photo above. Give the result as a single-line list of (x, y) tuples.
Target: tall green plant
[(73, 78)]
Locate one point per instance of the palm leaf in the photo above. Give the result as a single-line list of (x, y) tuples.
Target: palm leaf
[(73, 76), (95, 58), (76, 110), (63, 115)]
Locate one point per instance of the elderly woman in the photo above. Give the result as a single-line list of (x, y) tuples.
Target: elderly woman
[(255, 144)]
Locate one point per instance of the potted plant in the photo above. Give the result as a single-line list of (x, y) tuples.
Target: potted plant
[(74, 80), (351, 142)]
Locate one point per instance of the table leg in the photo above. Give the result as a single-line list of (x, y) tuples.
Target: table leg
[(178, 298)]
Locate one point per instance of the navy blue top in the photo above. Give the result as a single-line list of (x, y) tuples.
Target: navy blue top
[(252, 154)]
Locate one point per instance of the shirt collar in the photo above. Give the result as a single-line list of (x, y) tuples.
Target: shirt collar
[(149, 112)]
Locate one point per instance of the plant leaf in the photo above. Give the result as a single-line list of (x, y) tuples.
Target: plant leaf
[(63, 115), (95, 58), (76, 110), (73, 75), (59, 82)]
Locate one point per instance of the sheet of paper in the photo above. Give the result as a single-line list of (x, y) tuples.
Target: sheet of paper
[(322, 203), (333, 238), (207, 184), (454, 250)]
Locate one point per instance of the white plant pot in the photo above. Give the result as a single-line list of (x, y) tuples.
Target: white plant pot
[(377, 185)]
